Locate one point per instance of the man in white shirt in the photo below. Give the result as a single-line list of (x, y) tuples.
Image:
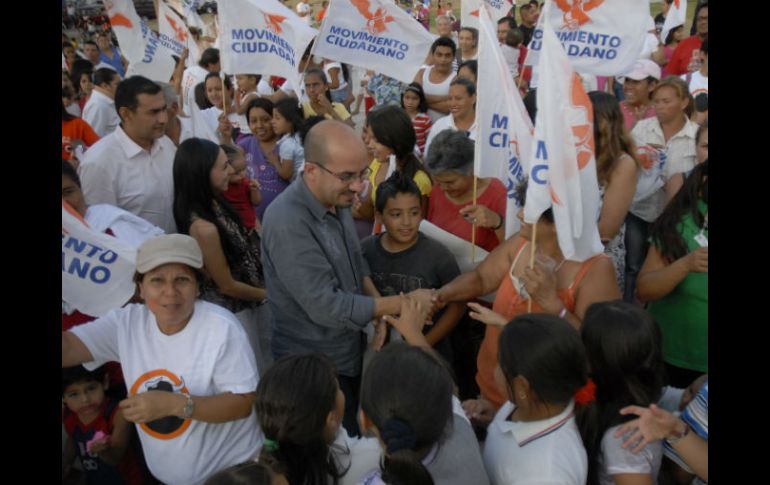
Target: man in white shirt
[(132, 167), (99, 110)]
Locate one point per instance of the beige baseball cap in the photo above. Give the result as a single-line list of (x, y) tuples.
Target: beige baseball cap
[(169, 248)]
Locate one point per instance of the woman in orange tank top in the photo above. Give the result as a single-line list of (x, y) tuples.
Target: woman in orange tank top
[(556, 286)]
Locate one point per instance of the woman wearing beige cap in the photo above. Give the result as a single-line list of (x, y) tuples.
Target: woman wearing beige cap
[(187, 363)]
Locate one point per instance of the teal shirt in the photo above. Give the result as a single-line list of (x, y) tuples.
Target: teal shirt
[(682, 315)]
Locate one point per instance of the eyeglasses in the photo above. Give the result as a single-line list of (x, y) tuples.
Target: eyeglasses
[(346, 177)]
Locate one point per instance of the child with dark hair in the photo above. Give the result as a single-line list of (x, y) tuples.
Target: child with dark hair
[(249, 473), (403, 259), (287, 123), (243, 192), (416, 106), (97, 431), (533, 437), (623, 346)]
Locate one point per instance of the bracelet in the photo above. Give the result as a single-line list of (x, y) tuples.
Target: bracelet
[(675, 440), (502, 220), (563, 312)]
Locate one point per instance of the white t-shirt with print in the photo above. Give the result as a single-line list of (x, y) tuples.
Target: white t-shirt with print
[(210, 356)]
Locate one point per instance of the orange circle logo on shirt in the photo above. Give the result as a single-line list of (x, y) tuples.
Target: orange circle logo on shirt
[(168, 427)]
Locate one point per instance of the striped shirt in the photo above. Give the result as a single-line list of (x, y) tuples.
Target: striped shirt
[(422, 124)]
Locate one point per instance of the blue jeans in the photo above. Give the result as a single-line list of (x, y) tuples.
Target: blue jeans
[(637, 231)]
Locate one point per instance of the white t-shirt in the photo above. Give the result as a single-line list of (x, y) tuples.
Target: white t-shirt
[(340, 75), (290, 148), (117, 171), (447, 123), (615, 460), (210, 356), (433, 89), (543, 452), (698, 83), (191, 77), (99, 112), (207, 122), (650, 45)]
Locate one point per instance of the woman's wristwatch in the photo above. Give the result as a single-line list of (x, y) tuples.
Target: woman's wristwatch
[(500, 224), (189, 407)]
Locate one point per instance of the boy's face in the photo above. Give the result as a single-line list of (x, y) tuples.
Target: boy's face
[(84, 399), (401, 217)]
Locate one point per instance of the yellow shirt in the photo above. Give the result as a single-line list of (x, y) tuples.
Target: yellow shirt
[(420, 178), (339, 108)]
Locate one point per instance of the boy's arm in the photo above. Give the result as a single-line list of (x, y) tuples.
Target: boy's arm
[(112, 452), (255, 195), (445, 324)]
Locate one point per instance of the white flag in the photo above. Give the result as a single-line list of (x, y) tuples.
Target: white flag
[(374, 34), (675, 17), (263, 37), (175, 34), (563, 171), (504, 141), (600, 37), (97, 270), (146, 54), (469, 11)]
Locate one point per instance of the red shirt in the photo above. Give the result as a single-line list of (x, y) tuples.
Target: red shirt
[(446, 214), (75, 129), (682, 54), (238, 196)]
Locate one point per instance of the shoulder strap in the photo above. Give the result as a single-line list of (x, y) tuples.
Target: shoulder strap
[(519, 250)]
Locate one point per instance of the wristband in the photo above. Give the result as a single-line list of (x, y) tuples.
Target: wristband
[(502, 220), (563, 312)]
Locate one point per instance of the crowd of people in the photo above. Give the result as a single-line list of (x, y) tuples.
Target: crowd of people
[(293, 322)]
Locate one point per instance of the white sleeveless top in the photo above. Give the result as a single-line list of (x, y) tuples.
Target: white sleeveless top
[(433, 89)]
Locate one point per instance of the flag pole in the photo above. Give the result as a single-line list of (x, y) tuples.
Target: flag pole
[(532, 261), (473, 226), (224, 94)]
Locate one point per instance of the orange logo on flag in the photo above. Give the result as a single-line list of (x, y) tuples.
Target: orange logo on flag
[(676, 3), (375, 22), (273, 22), (180, 33), (120, 20), (583, 126), (575, 14), (475, 13)]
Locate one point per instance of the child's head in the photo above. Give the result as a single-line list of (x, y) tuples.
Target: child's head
[(413, 99), (287, 116), (237, 161), (542, 360), (398, 204), (406, 394), (300, 407), (514, 37), (83, 391), (623, 345)]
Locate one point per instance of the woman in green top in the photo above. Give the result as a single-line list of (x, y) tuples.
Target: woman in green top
[(674, 279)]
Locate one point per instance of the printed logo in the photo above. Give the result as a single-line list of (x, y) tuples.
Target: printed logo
[(273, 22), (181, 35), (575, 15), (582, 118), (117, 20), (375, 22), (168, 427)]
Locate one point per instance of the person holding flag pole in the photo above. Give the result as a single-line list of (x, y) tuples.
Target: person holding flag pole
[(567, 270)]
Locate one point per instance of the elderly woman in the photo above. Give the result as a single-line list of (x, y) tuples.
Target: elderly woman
[(451, 207), (555, 285), (190, 371)]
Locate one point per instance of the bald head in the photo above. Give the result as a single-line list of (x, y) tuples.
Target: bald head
[(328, 138)]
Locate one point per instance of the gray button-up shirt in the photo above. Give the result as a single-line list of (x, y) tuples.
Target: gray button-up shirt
[(314, 274)]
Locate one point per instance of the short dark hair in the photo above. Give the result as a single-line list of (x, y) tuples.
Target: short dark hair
[(528, 6), (263, 103), (209, 56), (78, 373), (104, 75), (90, 42), (548, 352), (248, 473), (471, 64), (67, 170), (396, 184), (216, 74), (129, 89), (200, 96), (510, 20), (443, 42), (469, 86), (291, 111), (514, 37)]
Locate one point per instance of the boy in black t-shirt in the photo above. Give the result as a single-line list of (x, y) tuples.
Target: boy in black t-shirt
[(402, 259)]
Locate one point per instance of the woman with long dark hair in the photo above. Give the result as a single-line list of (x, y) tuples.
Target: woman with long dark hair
[(674, 279), (231, 255), (623, 346)]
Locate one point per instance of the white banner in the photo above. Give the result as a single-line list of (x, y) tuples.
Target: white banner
[(504, 142), (469, 11), (601, 37), (677, 13), (374, 34), (97, 270), (262, 37), (563, 171), (174, 33)]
